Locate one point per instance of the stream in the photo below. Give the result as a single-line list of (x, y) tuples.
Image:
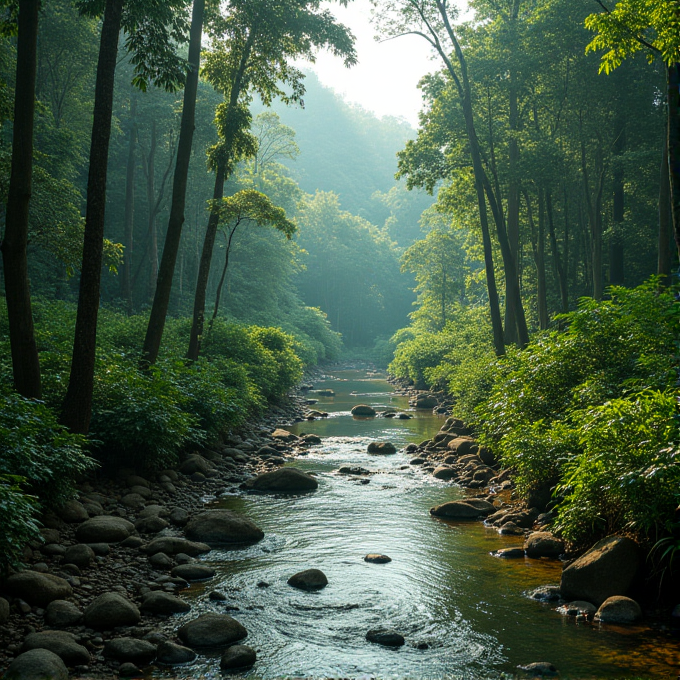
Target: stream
[(442, 589)]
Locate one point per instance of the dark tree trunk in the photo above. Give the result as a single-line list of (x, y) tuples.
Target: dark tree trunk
[(673, 79), (538, 248), (558, 269), (220, 285), (77, 406), (25, 362), (161, 301), (665, 258), (126, 273), (616, 244)]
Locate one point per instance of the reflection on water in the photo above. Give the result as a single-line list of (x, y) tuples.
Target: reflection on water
[(442, 589)]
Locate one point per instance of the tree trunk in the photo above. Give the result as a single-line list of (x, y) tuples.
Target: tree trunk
[(161, 301), (616, 252), (543, 318), (558, 269), (673, 80), (25, 362), (126, 273), (664, 259), (218, 292), (77, 406)]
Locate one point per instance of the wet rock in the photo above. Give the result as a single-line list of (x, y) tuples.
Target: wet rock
[(386, 637), (284, 435), (353, 470), (196, 463), (193, 572), (403, 416), (543, 544), (463, 446), (509, 553), (62, 614), (151, 525), (309, 579), (417, 461), (159, 602), (540, 669), (81, 555), (178, 516), (100, 549), (104, 529), (216, 596), (153, 510), (426, 401), (382, 448), (129, 670), (161, 561), (211, 630), (376, 558), (171, 654), (458, 510), (73, 511), (238, 656), (285, 480), (171, 545), (444, 472), (618, 609), (220, 527), (576, 608), (38, 589), (511, 529), (59, 642), (363, 410), (133, 501), (38, 664), (131, 650), (310, 439), (607, 569), (133, 542), (546, 594), (110, 610)]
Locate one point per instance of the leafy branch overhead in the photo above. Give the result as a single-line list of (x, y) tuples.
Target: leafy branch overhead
[(254, 206)]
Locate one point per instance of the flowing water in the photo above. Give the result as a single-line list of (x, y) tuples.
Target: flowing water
[(442, 589)]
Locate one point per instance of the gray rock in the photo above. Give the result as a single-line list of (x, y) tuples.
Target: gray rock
[(171, 654), (171, 545), (309, 579), (104, 529), (60, 642), (444, 472), (211, 630), (160, 602), (510, 553), (161, 561), (38, 589), (363, 410), (459, 510), (618, 609), (133, 501), (386, 637), (376, 558), (284, 480), (543, 544), (133, 542), (136, 480), (131, 650), (546, 594), (110, 610), (193, 572), (62, 614), (38, 664), (238, 656), (220, 527), (540, 669), (100, 549), (382, 448), (353, 470), (142, 491), (153, 511), (196, 463), (179, 516), (73, 511), (128, 670), (151, 525), (81, 555)]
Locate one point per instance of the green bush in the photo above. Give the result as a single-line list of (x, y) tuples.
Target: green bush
[(288, 364), (18, 513)]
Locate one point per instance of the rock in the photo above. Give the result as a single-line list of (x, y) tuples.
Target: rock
[(153, 510), (607, 569), (546, 594), (133, 542), (171, 545), (577, 607), (509, 553), (458, 510), (160, 602), (142, 491), (540, 669), (353, 470), (216, 596), (310, 439), (426, 401), (386, 637), (220, 527), (618, 609), (383, 448), (38, 589), (284, 480), (110, 610), (62, 614), (376, 558), (463, 446), (543, 544), (511, 529), (193, 572), (196, 463), (284, 435), (363, 410), (151, 525), (487, 456), (104, 529), (81, 555), (211, 630), (60, 642), (73, 511), (403, 416), (171, 654), (483, 505), (133, 501), (444, 472), (129, 670), (161, 561), (100, 549), (310, 579), (4, 611), (53, 549), (325, 393), (136, 480), (238, 656), (131, 650), (38, 664), (179, 516)]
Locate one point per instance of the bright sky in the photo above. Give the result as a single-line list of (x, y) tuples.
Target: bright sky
[(386, 78)]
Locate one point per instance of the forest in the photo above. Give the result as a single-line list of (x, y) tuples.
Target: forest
[(194, 226)]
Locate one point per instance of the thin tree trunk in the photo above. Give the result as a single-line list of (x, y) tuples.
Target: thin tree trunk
[(594, 209), (616, 251), (218, 292), (538, 249), (664, 259), (558, 269), (77, 406), (673, 80), (161, 301), (126, 273), (25, 362)]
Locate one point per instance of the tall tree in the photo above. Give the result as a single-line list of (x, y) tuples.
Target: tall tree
[(25, 362)]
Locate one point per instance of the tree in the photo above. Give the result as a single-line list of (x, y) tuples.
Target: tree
[(25, 362)]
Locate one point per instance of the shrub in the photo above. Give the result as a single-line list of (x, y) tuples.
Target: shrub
[(288, 364), (18, 513)]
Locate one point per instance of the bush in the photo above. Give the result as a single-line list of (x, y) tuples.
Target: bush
[(18, 513)]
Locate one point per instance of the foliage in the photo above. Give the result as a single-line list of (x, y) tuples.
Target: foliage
[(18, 520)]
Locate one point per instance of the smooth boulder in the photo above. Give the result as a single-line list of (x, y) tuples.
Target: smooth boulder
[(81, 555), (211, 630), (459, 510), (382, 448), (618, 609), (38, 664), (172, 545), (110, 610), (171, 654), (444, 472), (386, 637), (62, 614), (59, 642), (309, 579), (376, 558), (543, 544), (284, 480), (160, 602), (238, 656), (104, 529), (193, 572), (607, 569), (220, 527), (363, 410), (131, 650), (38, 589)]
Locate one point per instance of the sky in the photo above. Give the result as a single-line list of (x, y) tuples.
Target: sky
[(385, 80)]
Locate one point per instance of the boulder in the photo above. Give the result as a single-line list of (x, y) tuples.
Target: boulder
[(133, 501), (59, 642), (618, 609), (73, 511), (543, 544), (607, 569), (238, 656), (509, 553), (81, 555), (383, 448), (171, 545), (546, 594), (539, 669), (136, 480), (153, 511), (4, 611), (426, 401), (284, 435), (211, 630), (151, 525), (376, 558), (386, 637), (463, 446), (195, 463), (160, 602), (179, 516), (128, 670), (284, 480), (310, 439), (38, 664), (462, 509), (131, 650), (353, 470), (110, 610), (309, 579), (104, 529), (161, 561), (171, 654), (38, 589), (193, 572), (363, 410), (221, 527), (62, 614), (444, 472)]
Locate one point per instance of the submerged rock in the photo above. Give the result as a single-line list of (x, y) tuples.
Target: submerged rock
[(211, 630), (618, 609), (220, 527), (238, 656), (386, 637), (284, 480), (376, 558), (382, 448), (310, 579), (363, 410)]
